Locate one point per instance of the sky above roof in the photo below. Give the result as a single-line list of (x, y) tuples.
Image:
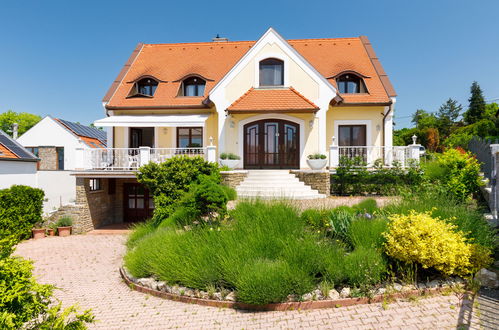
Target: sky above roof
[(59, 57)]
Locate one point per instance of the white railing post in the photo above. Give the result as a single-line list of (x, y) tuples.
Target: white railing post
[(414, 149), (334, 154), (211, 152), (145, 155)]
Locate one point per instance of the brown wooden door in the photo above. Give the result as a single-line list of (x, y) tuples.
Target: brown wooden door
[(138, 203), (271, 143)]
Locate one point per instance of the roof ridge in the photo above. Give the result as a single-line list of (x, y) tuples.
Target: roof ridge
[(221, 43)]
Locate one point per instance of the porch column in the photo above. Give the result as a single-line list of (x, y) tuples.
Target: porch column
[(145, 155), (334, 154)]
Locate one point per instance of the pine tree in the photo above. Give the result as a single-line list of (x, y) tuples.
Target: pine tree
[(447, 115), (476, 109)]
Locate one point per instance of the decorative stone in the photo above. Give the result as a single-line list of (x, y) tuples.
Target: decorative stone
[(203, 295), (408, 287), (345, 292), (333, 294), (421, 286), (487, 278), (130, 276), (433, 284), (292, 297), (381, 291), (317, 295), (147, 282), (459, 280), (175, 290), (231, 296), (307, 296), (161, 285), (217, 296), (397, 287)]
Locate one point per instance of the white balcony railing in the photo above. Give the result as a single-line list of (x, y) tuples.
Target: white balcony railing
[(370, 156), (130, 159)]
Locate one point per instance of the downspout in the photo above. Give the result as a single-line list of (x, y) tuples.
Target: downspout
[(384, 118)]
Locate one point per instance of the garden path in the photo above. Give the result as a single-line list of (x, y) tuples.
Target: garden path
[(85, 269)]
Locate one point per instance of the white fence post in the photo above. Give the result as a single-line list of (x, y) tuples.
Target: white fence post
[(414, 149), (145, 155), (211, 152), (334, 154)]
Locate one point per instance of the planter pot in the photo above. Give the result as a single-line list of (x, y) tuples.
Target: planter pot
[(317, 164), (38, 233), (51, 232), (64, 231), (231, 163)]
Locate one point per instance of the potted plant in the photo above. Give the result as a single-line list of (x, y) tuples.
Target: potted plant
[(317, 161), (229, 159), (52, 228), (38, 231), (64, 226)]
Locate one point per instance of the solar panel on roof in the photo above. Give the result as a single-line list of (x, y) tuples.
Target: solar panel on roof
[(88, 131), (15, 147)]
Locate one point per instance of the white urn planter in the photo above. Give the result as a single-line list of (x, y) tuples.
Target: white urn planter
[(317, 164), (231, 163)]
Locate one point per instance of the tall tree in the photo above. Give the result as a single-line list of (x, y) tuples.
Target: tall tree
[(423, 119), (476, 109), (447, 115), (23, 119)]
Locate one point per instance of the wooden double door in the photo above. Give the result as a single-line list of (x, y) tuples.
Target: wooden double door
[(271, 144), (138, 203)]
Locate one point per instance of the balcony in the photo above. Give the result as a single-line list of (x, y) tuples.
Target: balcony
[(130, 159)]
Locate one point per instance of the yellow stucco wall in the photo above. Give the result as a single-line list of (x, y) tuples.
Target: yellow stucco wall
[(293, 73), (372, 114), (119, 137)]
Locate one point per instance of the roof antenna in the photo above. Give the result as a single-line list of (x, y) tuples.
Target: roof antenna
[(219, 39)]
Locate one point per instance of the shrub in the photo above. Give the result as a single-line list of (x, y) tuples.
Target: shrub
[(65, 222), (339, 221), (230, 192), (20, 209), (139, 231), (366, 233), (318, 220), (368, 205), (459, 173), (431, 242), (168, 181), (364, 266)]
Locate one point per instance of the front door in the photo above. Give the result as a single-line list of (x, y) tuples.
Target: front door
[(271, 143), (138, 204)]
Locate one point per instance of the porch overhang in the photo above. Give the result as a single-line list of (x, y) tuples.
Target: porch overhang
[(153, 121)]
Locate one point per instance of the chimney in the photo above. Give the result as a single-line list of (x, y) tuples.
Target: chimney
[(219, 39), (15, 127)]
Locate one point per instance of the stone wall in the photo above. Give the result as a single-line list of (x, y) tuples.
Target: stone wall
[(233, 178), (318, 180), (48, 158)]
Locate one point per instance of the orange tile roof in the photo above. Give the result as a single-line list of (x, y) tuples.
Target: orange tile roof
[(6, 153), (212, 60), (282, 99), (92, 142)]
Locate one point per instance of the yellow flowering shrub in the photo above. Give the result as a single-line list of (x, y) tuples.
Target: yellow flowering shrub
[(431, 242)]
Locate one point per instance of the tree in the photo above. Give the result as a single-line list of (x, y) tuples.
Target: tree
[(23, 119), (447, 115), (476, 109), (423, 119)]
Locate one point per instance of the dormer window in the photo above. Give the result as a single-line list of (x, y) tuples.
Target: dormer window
[(271, 72), (144, 88), (350, 83), (193, 86)]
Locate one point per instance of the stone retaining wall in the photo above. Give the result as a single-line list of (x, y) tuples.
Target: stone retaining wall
[(233, 178), (318, 180)]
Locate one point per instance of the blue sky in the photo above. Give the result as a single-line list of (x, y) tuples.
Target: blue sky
[(60, 57)]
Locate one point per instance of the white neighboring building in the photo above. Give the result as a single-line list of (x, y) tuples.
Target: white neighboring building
[(55, 141), (17, 165)]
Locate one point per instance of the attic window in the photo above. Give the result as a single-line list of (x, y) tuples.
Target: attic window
[(271, 72), (193, 86), (350, 83), (144, 88)]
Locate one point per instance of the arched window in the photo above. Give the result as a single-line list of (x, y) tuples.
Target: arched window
[(193, 86), (271, 72), (350, 83), (144, 87)]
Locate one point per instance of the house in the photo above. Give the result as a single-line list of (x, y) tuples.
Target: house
[(17, 165), (55, 142), (272, 102)]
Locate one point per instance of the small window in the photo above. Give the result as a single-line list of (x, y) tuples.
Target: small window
[(33, 150), (189, 137), (271, 72), (60, 158), (95, 184), (193, 86), (350, 84), (144, 88)]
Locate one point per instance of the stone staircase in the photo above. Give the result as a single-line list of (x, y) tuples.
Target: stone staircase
[(275, 184)]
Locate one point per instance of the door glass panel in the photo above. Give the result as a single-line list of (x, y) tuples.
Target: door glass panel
[(252, 145), (131, 203), (344, 136), (359, 135), (271, 145), (290, 144), (140, 203)]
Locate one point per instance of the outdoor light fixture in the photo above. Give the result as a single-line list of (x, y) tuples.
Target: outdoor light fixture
[(311, 123)]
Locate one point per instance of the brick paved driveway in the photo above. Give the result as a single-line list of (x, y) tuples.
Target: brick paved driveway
[(85, 268)]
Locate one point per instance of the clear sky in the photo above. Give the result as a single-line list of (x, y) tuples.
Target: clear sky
[(60, 57)]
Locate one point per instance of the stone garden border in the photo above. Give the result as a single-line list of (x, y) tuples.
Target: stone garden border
[(285, 306)]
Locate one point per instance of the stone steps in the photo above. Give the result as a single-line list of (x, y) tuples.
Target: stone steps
[(275, 184)]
